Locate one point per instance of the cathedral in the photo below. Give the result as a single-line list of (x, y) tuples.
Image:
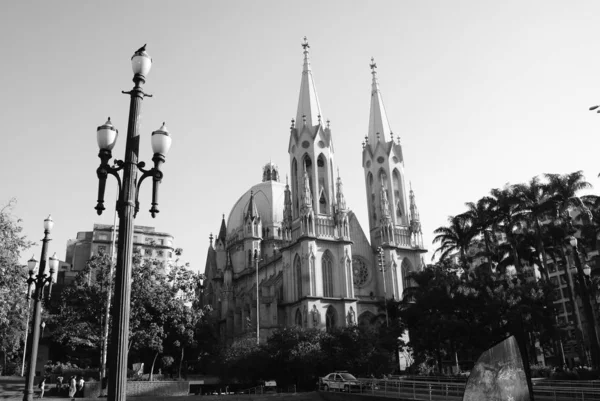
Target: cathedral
[(293, 253)]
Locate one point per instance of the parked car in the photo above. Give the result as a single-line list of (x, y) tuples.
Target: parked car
[(341, 380)]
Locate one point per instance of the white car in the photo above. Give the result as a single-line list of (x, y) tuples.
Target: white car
[(343, 381)]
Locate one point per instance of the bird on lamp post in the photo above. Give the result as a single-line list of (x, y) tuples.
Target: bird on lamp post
[(127, 208)]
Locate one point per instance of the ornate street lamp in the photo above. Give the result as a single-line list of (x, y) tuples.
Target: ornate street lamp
[(35, 290), (381, 262), (587, 304), (257, 259), (127, 208)]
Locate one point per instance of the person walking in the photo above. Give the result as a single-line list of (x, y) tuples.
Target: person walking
[(80, 384), (72, 389), (42, 387)]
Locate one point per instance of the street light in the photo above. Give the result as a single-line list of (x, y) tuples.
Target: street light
[(381, 260), (587, 305), (35, 290), (256, 260), (127, 208)]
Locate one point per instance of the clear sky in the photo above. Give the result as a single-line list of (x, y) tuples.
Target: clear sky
[(481, 93)]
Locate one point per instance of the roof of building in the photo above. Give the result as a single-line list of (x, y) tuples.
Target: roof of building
[(269, 202)]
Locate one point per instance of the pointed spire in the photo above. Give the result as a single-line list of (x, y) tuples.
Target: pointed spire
[(341, 200), (222, 231), (309, 108), (378, 121), (252, 212)]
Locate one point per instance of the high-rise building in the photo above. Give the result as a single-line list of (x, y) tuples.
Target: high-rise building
[(89, 243), (316, 267)]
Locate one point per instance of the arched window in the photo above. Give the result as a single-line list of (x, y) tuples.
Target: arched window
[(366, 318), (323, 184), (295, 192), (373, 213), (298, 276), (327, 269), (397, 198), (298, 318), (330, 318), (406, 269)]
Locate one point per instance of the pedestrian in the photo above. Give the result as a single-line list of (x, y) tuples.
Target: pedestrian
[(59, 381), (42, 387), (80, 384), (72, 389)]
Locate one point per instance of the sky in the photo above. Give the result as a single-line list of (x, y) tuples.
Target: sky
[(481, 93)]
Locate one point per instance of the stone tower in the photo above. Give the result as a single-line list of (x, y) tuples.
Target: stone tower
[(393, 221)]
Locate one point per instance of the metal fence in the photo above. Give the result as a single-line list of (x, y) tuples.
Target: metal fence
[(449, 391)]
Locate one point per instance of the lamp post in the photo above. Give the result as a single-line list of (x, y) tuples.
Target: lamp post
[(127, 208), (256, 260), (587, 305), (382, 269), (35, 290), (26, 334)]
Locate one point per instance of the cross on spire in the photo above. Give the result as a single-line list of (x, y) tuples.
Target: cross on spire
[(373, 64), (305, 44)]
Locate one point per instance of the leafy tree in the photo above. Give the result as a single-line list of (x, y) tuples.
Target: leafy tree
[(75, 321), (13, 287)]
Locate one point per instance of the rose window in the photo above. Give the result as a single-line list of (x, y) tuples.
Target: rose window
[(360, 272)]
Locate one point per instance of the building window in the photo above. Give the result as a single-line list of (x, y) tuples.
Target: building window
[(360, 272), (135, 238), (298, 274), (170, 255), (298, 319), (161, 242), (160, 252), (102, 249), (327, 269), (102, 237)]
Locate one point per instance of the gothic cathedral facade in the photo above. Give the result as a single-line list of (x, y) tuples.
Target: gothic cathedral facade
[(299, 250)]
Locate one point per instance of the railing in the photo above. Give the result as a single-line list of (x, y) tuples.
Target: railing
[(268, 390), (325, 227), (439, 390)]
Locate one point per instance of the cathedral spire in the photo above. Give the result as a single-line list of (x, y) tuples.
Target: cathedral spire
[(379, 126), (341, 200), (414, 213), (252, 212), (309, 109), (222, 231)]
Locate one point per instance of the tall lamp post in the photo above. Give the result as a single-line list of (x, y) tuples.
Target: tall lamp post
[(35, 290), (256, 260), (127, 208), (587, 304), (382, 269)]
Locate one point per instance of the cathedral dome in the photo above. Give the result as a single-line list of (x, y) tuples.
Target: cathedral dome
[(269, 200)]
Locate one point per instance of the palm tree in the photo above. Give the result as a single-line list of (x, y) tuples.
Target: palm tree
[(535, 202), (503, 205), (456, 237), (564, 189), (480, 216)]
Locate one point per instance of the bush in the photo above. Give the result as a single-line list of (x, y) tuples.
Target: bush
[(540, 371)]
